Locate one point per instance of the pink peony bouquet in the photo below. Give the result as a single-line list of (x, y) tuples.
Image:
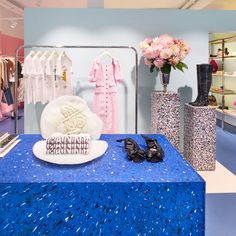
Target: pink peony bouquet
[(164, 52)]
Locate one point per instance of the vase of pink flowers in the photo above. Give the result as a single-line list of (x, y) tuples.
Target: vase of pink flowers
[(164, 53)]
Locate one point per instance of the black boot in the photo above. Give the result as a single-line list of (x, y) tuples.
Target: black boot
[(198, 87), (205, 74)]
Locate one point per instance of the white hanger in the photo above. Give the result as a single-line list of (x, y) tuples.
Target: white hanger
[(106, 53), (37, 54), (45, 54), (62, 54), (53, 55), (31, 54)]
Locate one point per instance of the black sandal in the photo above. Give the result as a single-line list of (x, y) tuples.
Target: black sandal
[(154, 152), (135, 153)]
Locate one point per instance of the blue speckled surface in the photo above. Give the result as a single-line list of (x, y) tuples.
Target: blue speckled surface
[(109, 196), (20, 166)]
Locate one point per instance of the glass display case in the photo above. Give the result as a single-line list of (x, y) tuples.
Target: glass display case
[(222, 54)]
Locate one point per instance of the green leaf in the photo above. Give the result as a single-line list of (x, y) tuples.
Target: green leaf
[(152, 68), (181, 66), (166, 68), (184, 65)]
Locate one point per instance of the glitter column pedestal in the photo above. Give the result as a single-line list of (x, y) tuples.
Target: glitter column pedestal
[(200, 137), (165, 118)]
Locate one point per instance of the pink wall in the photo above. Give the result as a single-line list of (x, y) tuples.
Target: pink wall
[(8, 44)]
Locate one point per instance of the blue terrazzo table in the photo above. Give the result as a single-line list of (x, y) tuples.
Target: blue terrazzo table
[(108, 196)]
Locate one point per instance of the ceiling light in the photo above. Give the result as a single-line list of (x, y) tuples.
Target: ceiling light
[(13, 24)]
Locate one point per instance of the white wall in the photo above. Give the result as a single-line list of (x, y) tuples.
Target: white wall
[(124, 27)]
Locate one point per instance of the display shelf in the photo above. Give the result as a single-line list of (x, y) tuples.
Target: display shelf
[(225, 92), (213, 106), (165, 115), (230, 112), (219, 181), (226, 74), (110, 195), (199, 130), (225, 57)]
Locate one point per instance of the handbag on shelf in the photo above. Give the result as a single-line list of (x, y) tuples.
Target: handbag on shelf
[(212, 100)]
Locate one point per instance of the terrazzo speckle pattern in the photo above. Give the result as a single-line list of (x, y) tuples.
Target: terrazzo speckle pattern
[(108, 196), (200, 137), (165, 117)]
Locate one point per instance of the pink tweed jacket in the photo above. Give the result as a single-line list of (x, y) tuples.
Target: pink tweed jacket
[(105, 95)]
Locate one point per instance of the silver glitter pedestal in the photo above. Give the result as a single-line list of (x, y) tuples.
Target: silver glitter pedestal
[(165, 117), (200, 137)]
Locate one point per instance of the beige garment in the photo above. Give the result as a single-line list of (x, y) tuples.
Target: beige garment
[(2, 73)]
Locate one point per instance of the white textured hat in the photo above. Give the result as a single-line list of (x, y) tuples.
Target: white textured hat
[(69, 115)]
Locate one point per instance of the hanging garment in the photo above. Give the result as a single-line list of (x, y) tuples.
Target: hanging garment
[(37, 78), (58, 71), (7, 80), (105, 95), (2, 73), (9, 74), (20, 83), (46, 81), (28, 77), (51, 74), (46, 76), (64, 72)]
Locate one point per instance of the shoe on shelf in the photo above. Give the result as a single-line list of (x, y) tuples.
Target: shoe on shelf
[(134, 152), (154, 152)]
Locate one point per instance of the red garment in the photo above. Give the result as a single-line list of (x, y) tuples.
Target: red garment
[(215, 66)]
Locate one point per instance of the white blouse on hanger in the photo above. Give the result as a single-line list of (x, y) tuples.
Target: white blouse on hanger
[(64, 71), (47, 76), (28, 72)]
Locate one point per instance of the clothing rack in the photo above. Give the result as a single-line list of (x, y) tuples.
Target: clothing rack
[(12, 57), (75, 47)]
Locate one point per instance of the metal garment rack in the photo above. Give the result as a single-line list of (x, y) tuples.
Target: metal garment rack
[(76, 47)]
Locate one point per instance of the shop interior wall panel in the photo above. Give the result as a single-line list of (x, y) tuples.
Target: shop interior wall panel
[(9, 44), (118, 27)]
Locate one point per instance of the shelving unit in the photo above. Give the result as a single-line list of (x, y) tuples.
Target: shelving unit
[(224, 80)]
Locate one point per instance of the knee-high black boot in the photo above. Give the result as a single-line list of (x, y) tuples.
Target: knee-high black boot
[(198, 87), (205, 74), (206, 80)]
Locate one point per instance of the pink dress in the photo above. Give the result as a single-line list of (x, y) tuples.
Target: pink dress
[(105, 95)]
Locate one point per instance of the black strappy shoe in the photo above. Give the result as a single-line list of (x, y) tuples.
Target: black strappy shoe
[(135, 153), (154, 152)]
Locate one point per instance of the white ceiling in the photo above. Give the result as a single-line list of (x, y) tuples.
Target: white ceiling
[(193, 4), (17, 6), (14, 9), (222, 5)]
